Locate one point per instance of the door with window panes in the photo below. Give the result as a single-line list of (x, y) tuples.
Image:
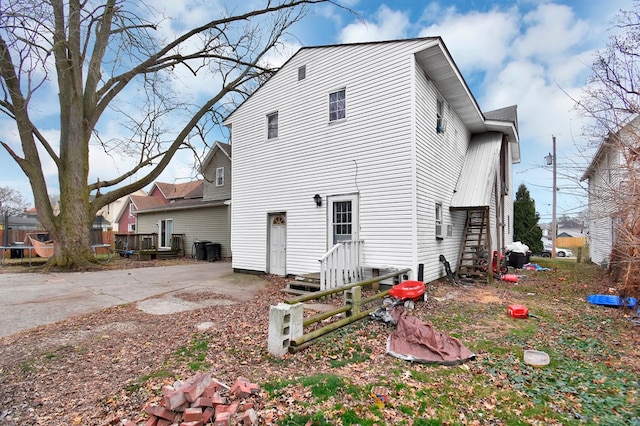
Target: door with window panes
[(343, 219)]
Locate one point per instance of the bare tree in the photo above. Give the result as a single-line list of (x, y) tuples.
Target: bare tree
[(612, 101), (11, 201), (98, 50)]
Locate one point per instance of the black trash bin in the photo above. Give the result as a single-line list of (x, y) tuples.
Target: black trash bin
[(213, 251), (201, 250), (517, 260)]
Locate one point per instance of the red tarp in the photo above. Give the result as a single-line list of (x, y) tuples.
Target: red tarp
[(417, 341)]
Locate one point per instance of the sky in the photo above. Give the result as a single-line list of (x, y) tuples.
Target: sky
[(529, 53)]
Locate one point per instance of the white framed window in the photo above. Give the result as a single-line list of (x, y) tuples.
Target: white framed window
[(439, 230), (132, 209), (441, 122), (132, 227), (220, 176), (272, 125), (302, 72), (337, 105)]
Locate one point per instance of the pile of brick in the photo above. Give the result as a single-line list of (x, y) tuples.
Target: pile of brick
[(202, 400)]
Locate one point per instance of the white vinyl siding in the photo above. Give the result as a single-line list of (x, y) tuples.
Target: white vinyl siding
[(439, 159), (369, 154)]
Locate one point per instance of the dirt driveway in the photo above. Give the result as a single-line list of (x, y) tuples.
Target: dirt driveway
[(28, 300)]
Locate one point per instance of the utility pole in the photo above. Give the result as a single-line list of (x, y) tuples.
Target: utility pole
[(554, 224), (551, 160)]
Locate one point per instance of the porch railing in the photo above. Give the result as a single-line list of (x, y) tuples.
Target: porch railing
[(342, 265)]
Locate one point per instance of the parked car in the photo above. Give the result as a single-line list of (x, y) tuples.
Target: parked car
[(560, 252)]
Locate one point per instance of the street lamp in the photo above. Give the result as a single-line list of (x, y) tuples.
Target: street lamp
[(551, 160)]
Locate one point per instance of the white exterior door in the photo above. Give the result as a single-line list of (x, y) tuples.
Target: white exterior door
[(343, 219), (166, 229), (278, 244)]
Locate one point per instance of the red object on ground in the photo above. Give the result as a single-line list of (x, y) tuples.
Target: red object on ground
[(510, 278), (518, 311), (406, 290)]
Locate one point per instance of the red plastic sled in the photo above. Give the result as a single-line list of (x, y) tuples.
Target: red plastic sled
[(408, 290)]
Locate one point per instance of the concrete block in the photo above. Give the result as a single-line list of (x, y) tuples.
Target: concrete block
[(285, 324)]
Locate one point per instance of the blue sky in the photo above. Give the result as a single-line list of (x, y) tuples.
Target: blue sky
[(529, 53)]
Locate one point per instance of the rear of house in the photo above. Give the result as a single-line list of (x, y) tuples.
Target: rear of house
[(365, 145)]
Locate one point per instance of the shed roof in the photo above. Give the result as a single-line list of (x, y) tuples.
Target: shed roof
[(476, 182)]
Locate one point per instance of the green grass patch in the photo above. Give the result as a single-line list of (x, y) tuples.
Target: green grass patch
[(141, 381), (195, 353)]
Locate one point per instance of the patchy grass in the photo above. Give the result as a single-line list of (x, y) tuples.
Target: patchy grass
[(592, 377)]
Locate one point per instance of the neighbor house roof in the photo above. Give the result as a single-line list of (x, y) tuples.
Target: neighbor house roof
[(225, 148), (184, 205), (174, 191)]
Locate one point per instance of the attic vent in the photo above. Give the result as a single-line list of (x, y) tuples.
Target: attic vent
[(302, 72)]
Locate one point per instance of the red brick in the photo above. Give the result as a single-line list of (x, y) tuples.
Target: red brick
[(152, 421), (161, 412), (192, 414), (163, 422), (207, 415), (250, 417), (222, 408), (242, 388), (198, 423), (222, 419), (173, 399), (203, 401), (245, 406), (217, 399), (233, 408)]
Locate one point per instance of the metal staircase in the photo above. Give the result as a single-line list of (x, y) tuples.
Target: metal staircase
[(475, 256)]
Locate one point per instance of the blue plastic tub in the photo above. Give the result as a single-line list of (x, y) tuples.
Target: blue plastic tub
[(608, 300)]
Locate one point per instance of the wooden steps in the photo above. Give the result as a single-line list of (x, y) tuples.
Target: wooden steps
[(303, 284)]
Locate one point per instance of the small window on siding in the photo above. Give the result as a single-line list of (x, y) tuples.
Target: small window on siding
[(302, 72), (131, 209), (337, 105), (441, 122), (132, 227), (439, 230), (272, 125), (220, 176)]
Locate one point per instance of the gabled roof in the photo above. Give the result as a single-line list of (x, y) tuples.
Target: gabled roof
[(174, 191), (225, 148), (609, 143), (436, 61), (142, 202), (476, 181)]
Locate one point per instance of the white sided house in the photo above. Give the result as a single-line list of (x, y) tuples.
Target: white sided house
[(361, 159), (606, 182)]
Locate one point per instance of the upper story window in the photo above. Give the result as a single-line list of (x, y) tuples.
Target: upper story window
[(220, 176), (441, 122), (439, 233), (132, 209), (272, 125), (337, 105), (302, 72)]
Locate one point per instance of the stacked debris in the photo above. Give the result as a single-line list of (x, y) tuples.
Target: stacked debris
[(202, 400)]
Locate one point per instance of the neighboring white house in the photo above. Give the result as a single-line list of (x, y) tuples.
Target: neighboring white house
[(605, 176), (112, 211), (377, 151)]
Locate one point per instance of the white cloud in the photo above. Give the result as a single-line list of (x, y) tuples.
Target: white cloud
[(477, 41), (388, 25)]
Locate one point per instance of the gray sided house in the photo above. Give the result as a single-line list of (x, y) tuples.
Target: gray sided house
[(361, 159), (203, 214)]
